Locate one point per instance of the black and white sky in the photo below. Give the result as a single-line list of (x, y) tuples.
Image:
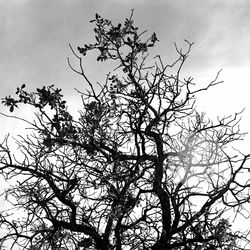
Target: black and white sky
[(35, 36)]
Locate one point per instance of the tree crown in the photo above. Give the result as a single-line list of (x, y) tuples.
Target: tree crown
[(140, 169)]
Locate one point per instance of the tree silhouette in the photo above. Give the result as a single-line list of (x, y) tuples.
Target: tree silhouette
[(140, 168)]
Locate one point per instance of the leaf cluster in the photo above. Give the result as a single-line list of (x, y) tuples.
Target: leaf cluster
[(110, 39)]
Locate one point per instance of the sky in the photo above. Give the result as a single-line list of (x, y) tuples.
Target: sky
[(34, 38)]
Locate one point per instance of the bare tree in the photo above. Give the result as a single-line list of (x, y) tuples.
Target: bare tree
[(140, 168)]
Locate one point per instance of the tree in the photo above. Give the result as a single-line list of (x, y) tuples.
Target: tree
[(140, 168)]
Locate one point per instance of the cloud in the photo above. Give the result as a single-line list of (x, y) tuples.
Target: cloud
[(35, 34)]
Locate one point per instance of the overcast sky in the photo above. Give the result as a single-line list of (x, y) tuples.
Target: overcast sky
[(34, 37)]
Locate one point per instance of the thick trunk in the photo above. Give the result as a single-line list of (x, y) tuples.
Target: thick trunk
[(162, 194)]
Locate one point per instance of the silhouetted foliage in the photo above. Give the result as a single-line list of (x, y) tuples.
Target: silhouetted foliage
[(140, 169)]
